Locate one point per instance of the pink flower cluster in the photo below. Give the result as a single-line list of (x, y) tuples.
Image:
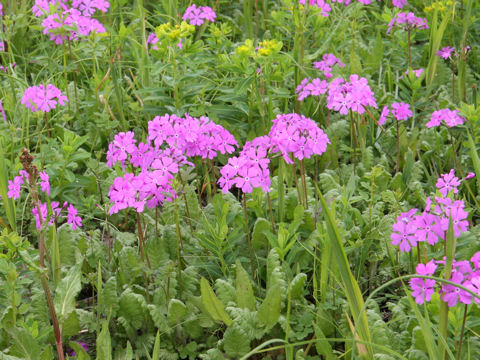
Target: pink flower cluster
[(14, 188), (2, 111), (432, 224), (327, 63), (293, 135), (154, 163), (401, 111), (197, 15), (465, 273), (347, 2), (446, 52), (41, 98), (74, 19), (417, 73), (449, 117), (399, 3), (315, 87), (153, 40), (321, 4), (409, 21), (354, 95)]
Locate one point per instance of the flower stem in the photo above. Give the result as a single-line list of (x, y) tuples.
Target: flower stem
[(142, 257), (410, 48), (304, 182), (247, 229), (271, 212), (179, 246), (397, 168), (465, 311), (281, 190)]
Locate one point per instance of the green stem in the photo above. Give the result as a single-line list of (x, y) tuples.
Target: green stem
[(247, 229), (465, 311), (281, 190), (179, 246)]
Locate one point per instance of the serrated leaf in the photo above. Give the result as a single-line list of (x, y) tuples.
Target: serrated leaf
[(214, 307), (297, 284), (23, 344), (245, 297), (66, 292), (176, 311), (235, 342), (156, 347), (258, 235), (269, 311), (104, 343)]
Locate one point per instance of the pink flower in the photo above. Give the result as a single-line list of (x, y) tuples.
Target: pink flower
[(450, 117), (401, 111), (72, 218), (3, 112), (423, 289), (383, 116), (446, 52), (153, 40), (448, 182), (325, 7), (354, 95), (44, 183), (428, 228), (417, 73), (196, 15), (41, 98), (40, 218), (399, 3), (452, 294), (408, 20), (123, 144)]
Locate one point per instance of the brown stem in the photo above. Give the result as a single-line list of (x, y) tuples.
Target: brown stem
[(142, 256), (398, 148), (46, 123), (189, 218), (294, 170), (409, 48), (304, 182), (453, 81), (271, 212)]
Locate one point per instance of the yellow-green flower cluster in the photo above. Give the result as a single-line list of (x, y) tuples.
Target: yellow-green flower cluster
[(441, 5), (265, 48), (173, 33)]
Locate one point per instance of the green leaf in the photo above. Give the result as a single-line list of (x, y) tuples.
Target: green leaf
[(8, 203), (297, 284), (66, 292), (104, 343), (214, 307), (258, 235), (176, 311), (350, 285), (156, 346), (269, 311), (23, 344), (129, 352), (245, 297), (235, 342)]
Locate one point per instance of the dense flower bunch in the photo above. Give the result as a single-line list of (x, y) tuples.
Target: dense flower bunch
[(431, 226), (14, 189), (41, 98), (449, 117), (399, 3), (63, 20), (327, 63), (348, 2), (401, 111), (293, 135), (354, 95), (197, 15), (250, 169), (154, 163), (321, 4), (315, 87), (408, 21)]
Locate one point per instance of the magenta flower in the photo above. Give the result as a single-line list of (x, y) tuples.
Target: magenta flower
[(450, 118), (447, 183), (40, 218), (354, 95), (44, 183), (123, 144), (404, 235), (408, 20), (316, 87), (383, 116), (399, 3), (41, 98), (417, 73), (14, 187), (72, 217), (474, 286), (476, 260), (401, 111), (446, 52), (453, 294), (327, 63), (197, 15), (153, 40), (321, 4), (423, 289), (428, 228)]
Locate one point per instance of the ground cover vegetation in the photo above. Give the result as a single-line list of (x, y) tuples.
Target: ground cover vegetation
[(250, 179)]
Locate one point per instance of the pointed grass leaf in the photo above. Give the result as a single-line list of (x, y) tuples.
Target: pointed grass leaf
[(350, 285)]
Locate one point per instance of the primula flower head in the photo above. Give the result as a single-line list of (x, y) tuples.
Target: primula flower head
[(447, 183), (446, 52), (321, 4), (401, 111), (408, 21), (41, 98), (451, 118), (197, 15)]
